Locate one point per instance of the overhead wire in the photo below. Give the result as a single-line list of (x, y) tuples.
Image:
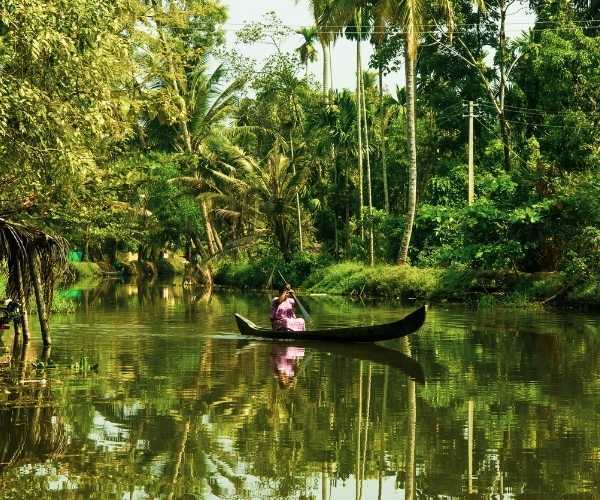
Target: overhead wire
[(333, 29), (532, 113), (382, 26)]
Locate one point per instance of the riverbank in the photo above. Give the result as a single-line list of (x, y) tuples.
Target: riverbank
[(172, 266), (478, 288)]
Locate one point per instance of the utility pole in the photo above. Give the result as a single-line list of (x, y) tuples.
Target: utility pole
[(471, 186)]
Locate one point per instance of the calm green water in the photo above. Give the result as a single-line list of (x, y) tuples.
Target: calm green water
[(181, 406)]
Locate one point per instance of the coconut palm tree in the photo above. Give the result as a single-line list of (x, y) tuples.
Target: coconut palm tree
[(261, 194), (408, 16), (275, 186), (307, 51)]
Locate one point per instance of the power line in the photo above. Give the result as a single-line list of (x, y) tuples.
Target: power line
[(532, 113), (385, 27), (521, 122), (382, 29), (425, 32)]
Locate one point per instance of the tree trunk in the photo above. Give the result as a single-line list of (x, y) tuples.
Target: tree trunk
[(360, 149), (382, 432), (412, 149), (329, 47), (283, 239), (368, 157), (208, 228), (180, 453), (358, 434), (386, 199), (326, 67), (411, 438), (364, 450), (23, 303), (298, 212), (216, 237), (39, 297), (504, 130)]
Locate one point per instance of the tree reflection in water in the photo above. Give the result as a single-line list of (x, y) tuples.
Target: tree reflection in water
[(33, 429), (183, 407)]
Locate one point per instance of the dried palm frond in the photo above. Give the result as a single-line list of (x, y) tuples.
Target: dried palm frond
[(18, 243)]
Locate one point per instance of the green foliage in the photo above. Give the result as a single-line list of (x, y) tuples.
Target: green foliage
[(59, 109), (85, 270), (62, 303), (262, 269), (559, 73), (162, 153), (381, 280)]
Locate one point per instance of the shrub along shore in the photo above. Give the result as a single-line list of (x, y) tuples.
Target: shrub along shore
[(479, 288), (476, 288)]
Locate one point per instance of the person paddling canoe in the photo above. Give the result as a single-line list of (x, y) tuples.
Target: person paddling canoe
[(283, 315)]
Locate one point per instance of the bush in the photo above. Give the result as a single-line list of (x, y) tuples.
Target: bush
[(354, 278)]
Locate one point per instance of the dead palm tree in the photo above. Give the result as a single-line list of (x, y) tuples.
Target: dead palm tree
[(35, 261)]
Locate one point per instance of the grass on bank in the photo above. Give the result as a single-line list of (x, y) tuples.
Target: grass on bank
[(478, 288), (85, 270)]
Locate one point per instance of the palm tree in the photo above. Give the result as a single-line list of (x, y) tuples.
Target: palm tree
[(208, 105), (410, 17), (326, 36), (275, 186), (185, 103), (260, 194), (307, 51), (354, 15)]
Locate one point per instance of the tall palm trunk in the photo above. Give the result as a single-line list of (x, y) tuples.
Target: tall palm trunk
[(298, 212), (368, 158), (212, 248), (412, 151), (386, 199), (382, 432), (358, 434), (329, 47), (364, 450), (216, 237), (504, 130), (360, 148), (411, 438), (326, 46)]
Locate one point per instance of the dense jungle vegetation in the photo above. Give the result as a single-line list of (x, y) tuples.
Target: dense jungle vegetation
[(126, 126)]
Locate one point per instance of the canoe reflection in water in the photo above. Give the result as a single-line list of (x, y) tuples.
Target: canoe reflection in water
[(288, 358), (286, 362)]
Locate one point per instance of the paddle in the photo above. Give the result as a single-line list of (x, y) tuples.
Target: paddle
[(304, 311)]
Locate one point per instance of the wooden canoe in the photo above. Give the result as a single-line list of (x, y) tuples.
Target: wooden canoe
[(373, 333)]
